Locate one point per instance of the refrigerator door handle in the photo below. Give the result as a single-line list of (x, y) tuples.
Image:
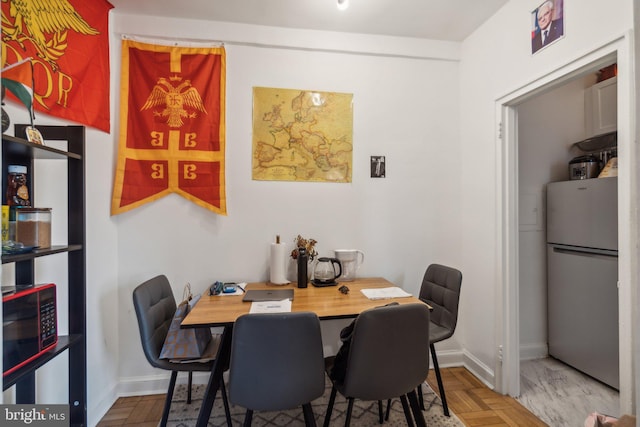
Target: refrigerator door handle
[(584, 251)]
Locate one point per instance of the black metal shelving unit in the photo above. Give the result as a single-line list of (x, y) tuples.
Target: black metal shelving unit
[(19, 151)]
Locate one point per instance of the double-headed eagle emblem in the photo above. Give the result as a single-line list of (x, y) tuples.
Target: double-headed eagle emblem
[(175, 99), (44, 23)]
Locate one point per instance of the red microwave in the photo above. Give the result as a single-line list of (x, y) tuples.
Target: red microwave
[(30, 325)]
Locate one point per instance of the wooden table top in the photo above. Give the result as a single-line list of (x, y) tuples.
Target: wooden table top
[(327, 302)]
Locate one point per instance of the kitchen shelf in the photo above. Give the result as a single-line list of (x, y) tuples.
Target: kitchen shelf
[(23, 148), (64, 342), (6, 258), (19, 151)]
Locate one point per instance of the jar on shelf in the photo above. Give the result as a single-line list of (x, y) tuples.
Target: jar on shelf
[(33, 226), (17, 190)]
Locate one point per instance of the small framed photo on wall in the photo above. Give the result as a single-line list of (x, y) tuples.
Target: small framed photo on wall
[(547, 24), (377, 167)]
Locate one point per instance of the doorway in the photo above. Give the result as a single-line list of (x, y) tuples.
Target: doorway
[(549, 125), (508, 372)]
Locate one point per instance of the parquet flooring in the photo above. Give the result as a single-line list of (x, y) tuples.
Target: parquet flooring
[(472, 402), (477, 405)]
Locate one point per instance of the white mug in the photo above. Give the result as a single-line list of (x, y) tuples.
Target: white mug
[(351, 260)]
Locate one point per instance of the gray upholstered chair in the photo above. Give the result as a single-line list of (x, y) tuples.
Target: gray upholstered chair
[(441, 290), (276, 363), (155, 307), (388, 357)]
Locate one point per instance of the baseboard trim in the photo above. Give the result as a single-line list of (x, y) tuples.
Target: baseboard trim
[(456, 358), (105, 402), (479, 369), (156, 384), (534, 351)]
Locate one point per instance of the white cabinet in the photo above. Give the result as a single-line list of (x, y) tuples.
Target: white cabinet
[(601, 111)]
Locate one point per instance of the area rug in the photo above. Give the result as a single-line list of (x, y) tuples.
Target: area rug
[(364, 413)]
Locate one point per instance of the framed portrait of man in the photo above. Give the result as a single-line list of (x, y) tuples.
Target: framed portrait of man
[(547, 24)]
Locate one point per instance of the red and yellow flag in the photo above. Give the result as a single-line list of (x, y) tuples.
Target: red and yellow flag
[(172, 126), (69, 43)]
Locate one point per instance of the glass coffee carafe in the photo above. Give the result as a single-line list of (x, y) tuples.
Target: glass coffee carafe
[(324, 273)]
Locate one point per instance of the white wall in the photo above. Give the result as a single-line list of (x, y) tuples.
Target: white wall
[(635, 93), (413, 102), (497, 61), (405, 108)]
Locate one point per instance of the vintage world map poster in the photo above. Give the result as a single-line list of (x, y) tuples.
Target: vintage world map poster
[(301, 135)]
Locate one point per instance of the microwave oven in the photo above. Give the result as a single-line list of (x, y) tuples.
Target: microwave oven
[(29, 325)]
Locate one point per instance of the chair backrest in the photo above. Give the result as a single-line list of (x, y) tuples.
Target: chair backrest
[(276, 361), (155, 307), (441, 290), (389, 353)]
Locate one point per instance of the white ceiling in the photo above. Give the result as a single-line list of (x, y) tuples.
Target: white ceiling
[(430, 19)]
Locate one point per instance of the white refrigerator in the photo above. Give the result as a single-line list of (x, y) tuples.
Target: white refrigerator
[(582, 276)]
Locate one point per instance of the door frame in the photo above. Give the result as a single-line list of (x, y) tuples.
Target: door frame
[(507, 315)]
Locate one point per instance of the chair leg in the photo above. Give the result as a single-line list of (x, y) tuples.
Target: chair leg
[(439, 378), (332, 399), (189, 387), (380, 414), (347, 420), (415, 408), (225, 401), (386, 416), (247, 418), (421, 397), (407, 411), (309, 418), (167, 402)]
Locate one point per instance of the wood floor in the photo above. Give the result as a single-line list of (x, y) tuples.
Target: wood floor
[(476, 405), (472, 402)]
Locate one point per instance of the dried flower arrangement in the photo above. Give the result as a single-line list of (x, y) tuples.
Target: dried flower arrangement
[(308, 244)]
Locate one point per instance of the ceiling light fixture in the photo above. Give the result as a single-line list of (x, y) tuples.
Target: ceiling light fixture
[(343, 4)]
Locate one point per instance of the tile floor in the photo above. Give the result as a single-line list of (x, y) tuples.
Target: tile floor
[(561, 396)]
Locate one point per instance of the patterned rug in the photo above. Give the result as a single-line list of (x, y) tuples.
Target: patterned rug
[(364, 413)]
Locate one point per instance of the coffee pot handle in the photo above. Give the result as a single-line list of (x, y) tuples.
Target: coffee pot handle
[(337, 261), (361, 255)]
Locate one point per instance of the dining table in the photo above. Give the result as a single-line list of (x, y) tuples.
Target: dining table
[(328, 302)]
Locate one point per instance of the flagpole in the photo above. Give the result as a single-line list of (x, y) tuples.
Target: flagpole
[(166, 41)]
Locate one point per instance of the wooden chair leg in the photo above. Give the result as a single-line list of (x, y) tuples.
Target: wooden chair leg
[(380, 413), (309, 418), (332, 399), (439, 378), (167, 402), (407, 411)]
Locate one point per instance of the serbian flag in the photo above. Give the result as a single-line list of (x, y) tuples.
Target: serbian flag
[(18, 80), (172, 126), (68, 41)]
